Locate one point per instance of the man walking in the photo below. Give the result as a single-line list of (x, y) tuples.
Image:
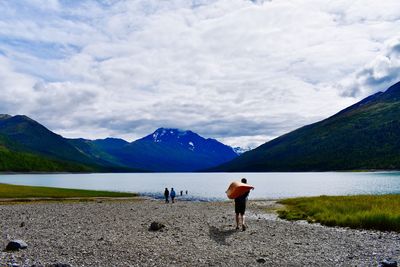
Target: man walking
[(240, 208)]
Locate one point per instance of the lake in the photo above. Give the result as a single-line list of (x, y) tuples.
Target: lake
[(212, 186)]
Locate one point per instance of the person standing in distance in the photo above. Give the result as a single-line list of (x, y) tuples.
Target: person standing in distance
[(166, 195), (240, 208), (173, 194)]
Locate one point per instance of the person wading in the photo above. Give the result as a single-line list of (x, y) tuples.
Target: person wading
[(240, 208)]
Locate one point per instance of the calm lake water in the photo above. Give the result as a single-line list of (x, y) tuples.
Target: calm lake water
[(212, 186)]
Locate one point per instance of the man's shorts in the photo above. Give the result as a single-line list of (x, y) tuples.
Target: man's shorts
[(240, 207)]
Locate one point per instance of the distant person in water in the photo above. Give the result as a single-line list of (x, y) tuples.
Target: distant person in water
[(173, 195), (166, 195), (181, 192), (186, 192), (240, 208)]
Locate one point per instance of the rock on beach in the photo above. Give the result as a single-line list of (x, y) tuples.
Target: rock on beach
[(156, 226), (16, 245)]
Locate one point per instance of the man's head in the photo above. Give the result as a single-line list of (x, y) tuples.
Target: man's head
[(244, 180)]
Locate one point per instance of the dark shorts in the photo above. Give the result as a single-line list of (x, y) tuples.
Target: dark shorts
[(240, 207)]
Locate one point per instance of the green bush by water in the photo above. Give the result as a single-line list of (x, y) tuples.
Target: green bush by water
[(380, 212)]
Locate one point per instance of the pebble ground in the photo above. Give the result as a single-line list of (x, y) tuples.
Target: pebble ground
[(115, 233)]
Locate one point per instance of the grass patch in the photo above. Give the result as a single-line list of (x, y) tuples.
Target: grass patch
[(21, 192), (378, 212)]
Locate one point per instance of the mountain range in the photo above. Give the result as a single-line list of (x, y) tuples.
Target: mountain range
[(364, 136), (26, 145), (165, 150)]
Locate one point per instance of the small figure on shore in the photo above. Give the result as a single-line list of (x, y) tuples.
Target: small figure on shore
[(166, 195), (186, 192), (173, 194), (181, 192), (240, 208)]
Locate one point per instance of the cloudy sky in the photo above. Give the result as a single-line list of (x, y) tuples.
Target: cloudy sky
[(240, 71)]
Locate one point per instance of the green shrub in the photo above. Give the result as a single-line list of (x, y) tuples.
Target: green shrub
[(380, 212)]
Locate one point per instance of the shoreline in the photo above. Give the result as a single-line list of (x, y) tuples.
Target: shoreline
[(115, 233), (198, 172)]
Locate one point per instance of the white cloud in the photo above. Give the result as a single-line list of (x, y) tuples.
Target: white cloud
[(15, 93), (239, 71), (376, 75)]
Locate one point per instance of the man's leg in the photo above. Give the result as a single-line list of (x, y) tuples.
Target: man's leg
[(243, 224), (237, 221)]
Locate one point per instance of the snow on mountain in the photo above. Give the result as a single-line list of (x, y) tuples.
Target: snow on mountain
[(240, 150), (169, 149)]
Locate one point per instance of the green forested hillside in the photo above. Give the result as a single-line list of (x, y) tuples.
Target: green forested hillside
[(11, 161), (33, 137), (29, 146), (364, 136), (95, 150)]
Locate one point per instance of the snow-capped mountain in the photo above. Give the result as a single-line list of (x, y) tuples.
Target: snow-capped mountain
[(165, 150), (185, 139), (168, 149), (175, 135)]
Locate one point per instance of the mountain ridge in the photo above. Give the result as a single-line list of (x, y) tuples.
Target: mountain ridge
[(172, 151), (363, 136)]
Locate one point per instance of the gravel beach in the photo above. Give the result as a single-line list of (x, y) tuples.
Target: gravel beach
[(116, 233)]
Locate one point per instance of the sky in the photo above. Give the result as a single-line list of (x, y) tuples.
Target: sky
[(240, 71)]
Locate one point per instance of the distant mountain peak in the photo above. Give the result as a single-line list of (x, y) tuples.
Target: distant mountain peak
[(26, 119), (240, 150), (171, 131), (111, 142), (114, 139), (4, 116), (165, 134), (392, 93), (393, 88), (172, 149)]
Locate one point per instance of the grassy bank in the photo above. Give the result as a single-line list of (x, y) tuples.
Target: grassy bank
[(20, 192), (363, 212)]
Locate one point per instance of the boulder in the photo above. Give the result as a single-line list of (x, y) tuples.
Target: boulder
[(16, 245), (261, 260), (156, 226), (388, 263)]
